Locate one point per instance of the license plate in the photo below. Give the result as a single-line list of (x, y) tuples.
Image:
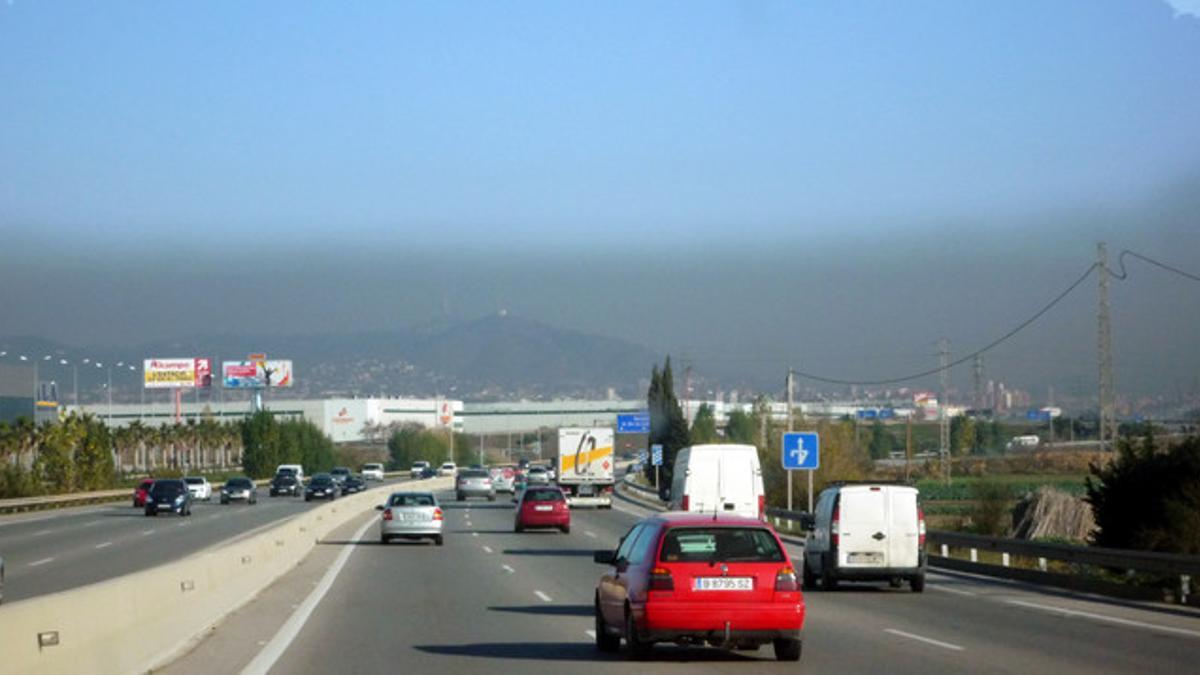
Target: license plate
[(724, 584), (873, 558), (410, 517), (586, 490), (543, 508)]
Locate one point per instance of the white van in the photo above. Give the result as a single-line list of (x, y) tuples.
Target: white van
[(721, 478), (866, 532), (291, 468)]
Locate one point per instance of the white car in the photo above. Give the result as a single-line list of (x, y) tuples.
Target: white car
[(199, 487), (372, 472), (448, 469), (418, 468)]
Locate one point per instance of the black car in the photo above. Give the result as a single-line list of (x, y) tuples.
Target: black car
[(286, 484), (353, 484), (322, 486), (340, 473), (429, 472), (171, 496)]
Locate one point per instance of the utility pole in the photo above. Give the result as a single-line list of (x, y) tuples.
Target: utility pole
[(1108, 417), (944, 417), (978, 372), (908, 448), (790, 402), (687, 392)]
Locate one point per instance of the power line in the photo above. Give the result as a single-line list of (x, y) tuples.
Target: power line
[(968, 357), (1161, 265)]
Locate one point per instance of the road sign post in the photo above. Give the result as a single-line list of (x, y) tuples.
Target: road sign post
[(802, 452), (656, 458)]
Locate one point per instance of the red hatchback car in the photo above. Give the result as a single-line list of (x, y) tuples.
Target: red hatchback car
[(691, 578), (542, 507), (140, 492)]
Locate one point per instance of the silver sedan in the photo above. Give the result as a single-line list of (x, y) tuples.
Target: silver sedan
[(411, 515)]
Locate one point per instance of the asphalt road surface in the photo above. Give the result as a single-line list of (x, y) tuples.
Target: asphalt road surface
[(57, 550), (492, 601)]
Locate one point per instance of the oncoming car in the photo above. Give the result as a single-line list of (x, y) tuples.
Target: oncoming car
[(171, 496), (694, 578), (239, 488)]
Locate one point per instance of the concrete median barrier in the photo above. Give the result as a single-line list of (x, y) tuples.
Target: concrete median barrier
[(138, 621)]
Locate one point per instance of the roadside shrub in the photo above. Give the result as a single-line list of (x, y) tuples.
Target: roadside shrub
[(992, 511)]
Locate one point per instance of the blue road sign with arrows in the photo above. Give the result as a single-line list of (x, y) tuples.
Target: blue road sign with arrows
[(656, 455), (802, 451)]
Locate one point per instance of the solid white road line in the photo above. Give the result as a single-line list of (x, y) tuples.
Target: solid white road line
[(590, 633), (951, 589), (1105, 617), (147, 532), (590, 533), (508, 569), (487, 549), (474, 534), (43, 561), (542, 596), (291, 628), (930, 641), (104, 545), (41, 532)]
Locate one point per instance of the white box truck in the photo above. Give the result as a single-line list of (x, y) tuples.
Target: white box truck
[(585, 466)]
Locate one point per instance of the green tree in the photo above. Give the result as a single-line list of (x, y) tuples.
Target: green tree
[(962, 435), (704, 425), (882, 442), (413, 442), (1148, 500), (668, 427), (740, 428), (261, 438)]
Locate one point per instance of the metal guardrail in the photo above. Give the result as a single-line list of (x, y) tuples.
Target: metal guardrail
[(45, 502)]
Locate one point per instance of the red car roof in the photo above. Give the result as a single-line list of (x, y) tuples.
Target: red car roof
[(696, 518)]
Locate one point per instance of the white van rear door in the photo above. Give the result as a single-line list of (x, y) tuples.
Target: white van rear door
[(737, 485), (903, 533), (864, 527)]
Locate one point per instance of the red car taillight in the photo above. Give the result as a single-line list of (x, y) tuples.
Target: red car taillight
[(683, 505), (437, 514), (387, 514), (834, 526), (785, 581), (660, 579), (921, 528)]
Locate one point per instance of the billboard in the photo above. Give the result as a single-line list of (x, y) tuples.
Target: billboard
[(177, 373), (256, 374)]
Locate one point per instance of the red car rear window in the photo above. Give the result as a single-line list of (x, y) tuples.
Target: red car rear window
[(720, 544)]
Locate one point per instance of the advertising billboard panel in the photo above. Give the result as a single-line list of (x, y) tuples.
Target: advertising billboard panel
[(256, 374), (172, 373)]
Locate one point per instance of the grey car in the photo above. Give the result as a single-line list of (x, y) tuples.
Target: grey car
[(411, 515), (474, 483)]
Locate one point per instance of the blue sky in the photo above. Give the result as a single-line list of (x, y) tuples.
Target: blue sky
[(372, 164), (569, 122)]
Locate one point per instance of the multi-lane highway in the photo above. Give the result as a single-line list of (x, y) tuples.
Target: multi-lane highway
[(491, 601), (57, 550)]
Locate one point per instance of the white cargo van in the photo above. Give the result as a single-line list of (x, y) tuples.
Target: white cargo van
[(866, 532), (718, 479), (291, 468)]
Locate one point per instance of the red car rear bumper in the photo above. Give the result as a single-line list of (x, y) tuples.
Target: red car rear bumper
[(544, 519), (672, 620)]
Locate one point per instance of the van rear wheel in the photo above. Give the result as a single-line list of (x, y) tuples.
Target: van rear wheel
[(787, 650), (917, 583)]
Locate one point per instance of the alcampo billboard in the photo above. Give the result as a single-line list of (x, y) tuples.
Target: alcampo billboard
[(257, 374), (177, 373)]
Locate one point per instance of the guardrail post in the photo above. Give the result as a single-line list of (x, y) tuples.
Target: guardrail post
[(1185, 587), (974, 555), (1042, 564), (945, 551), (1004, 559)]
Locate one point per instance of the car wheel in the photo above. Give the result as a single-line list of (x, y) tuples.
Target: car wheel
[(491, 498), (519, 528), (807, 577), (605, 641), (438, 540), (917, 583), (787, 650), (307, 498), (638, 650), (148, 514), (566, 529), (383, 539), (895, 582)]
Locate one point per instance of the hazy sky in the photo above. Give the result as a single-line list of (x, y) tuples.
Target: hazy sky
[(748, 182)]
